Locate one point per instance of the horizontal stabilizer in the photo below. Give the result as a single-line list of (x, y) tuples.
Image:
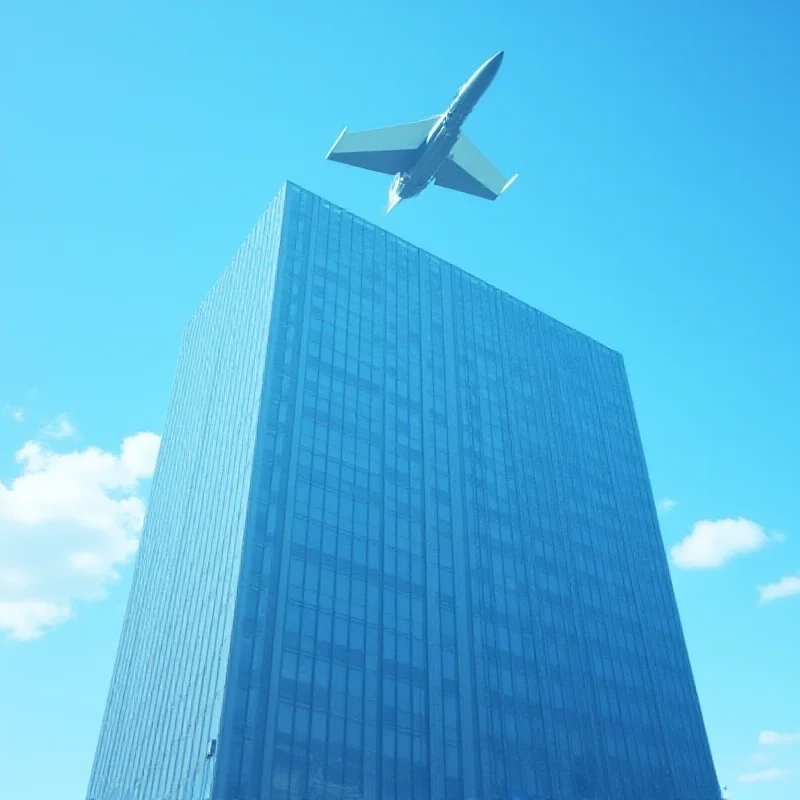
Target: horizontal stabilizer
[(467, 170), (388, 150)]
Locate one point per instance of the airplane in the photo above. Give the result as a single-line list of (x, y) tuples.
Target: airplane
[(432, 150)]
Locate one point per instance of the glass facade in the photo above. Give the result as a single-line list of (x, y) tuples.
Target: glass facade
[(401, 544)]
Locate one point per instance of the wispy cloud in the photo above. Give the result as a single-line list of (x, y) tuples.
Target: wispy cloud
[(59, 428), (712, 543), (764, 776), (785, 587), (67, 522), (665, 504), (775, 738), (17, 413)]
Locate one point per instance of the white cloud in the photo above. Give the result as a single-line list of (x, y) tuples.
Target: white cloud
[(139, 454), (713, 542), (774, 738), (762, 777), (785, 587), (665, 504), (28, 619), (67, 522), (59, 428)]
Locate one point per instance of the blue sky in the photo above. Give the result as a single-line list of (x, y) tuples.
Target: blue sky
[(657, 210)]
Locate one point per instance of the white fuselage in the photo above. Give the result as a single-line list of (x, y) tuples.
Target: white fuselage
[(444, 135)]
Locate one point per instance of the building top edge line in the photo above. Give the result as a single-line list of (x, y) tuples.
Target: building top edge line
[(449, 264)]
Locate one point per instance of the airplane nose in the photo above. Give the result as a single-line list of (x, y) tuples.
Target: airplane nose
[(493, 64), (482, 77)]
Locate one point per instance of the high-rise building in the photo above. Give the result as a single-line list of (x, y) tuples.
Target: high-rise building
[(401, 543)]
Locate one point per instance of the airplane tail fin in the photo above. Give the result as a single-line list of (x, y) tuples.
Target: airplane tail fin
[(394, 200)]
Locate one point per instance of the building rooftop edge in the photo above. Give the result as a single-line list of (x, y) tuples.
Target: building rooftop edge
[(288, 182)]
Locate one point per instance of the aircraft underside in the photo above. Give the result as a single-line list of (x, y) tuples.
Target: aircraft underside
[(402, 150)]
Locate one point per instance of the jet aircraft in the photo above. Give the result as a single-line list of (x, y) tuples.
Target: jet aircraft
[(430, 150)]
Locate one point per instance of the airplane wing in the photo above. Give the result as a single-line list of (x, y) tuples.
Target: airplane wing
[(388, 150), (467, 170)]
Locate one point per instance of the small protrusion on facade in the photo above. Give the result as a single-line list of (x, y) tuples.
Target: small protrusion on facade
[(212, 748)]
